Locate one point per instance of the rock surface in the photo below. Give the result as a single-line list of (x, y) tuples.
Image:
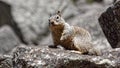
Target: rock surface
[(8, 39), (5, 61), (109, 21), (44, 57), (6, 18)]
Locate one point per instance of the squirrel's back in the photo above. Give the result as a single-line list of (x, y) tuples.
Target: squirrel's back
[(82, 34)]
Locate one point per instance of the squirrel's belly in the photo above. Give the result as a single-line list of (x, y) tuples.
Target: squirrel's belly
[(68, 44)]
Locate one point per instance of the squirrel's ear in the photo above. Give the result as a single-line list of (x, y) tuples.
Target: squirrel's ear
[(59, 13)]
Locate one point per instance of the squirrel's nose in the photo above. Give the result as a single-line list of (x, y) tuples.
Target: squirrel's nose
[(51, 22)]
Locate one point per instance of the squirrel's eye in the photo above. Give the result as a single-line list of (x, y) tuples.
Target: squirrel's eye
[(57, 17)]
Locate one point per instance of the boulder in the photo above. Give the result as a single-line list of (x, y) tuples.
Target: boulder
[(44, 57), (6, 61), (109, 22), (6, 18), (8, 39)]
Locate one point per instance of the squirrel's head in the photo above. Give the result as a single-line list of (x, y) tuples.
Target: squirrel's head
[(56, 20)]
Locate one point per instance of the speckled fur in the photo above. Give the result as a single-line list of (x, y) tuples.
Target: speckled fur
[(70, 37)]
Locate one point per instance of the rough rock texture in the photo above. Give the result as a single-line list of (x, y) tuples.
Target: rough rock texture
[(5, 61), (8, 39), (44, 57), (110, 23), (6, 18)]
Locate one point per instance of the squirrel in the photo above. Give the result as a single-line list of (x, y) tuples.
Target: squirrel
[(70, 37)]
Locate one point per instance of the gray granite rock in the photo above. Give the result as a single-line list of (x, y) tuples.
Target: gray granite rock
[(44, 57), (6, 61), (6, 18), (109, 22), (8, 39)]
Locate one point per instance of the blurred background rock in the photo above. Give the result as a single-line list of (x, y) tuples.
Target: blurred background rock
[(27, 20)]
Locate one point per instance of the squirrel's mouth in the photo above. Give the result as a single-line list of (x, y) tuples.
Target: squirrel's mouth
[(53, 23)]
